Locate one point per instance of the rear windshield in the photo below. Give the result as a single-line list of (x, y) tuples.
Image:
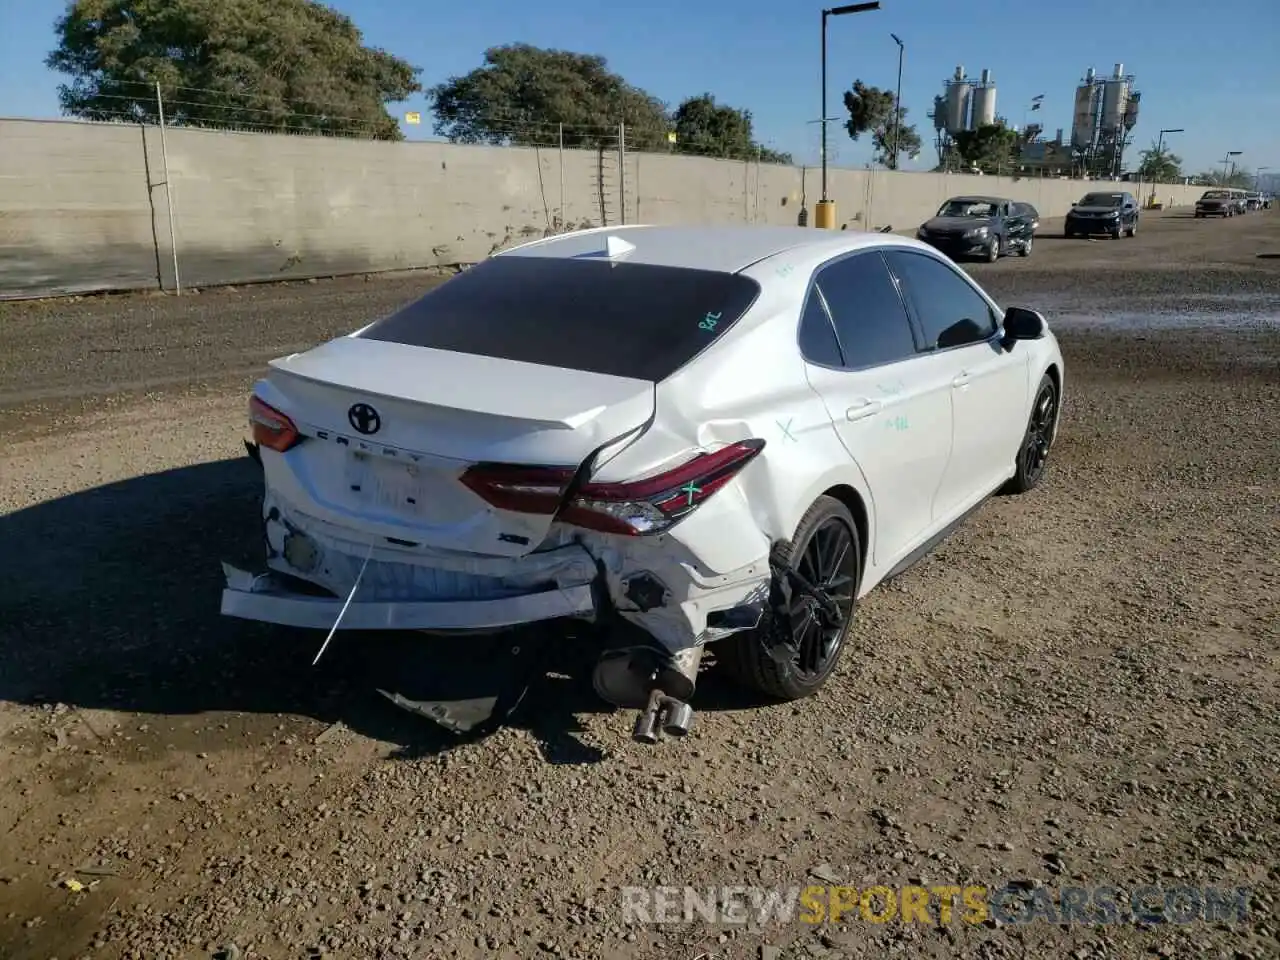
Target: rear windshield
[(623, 319)]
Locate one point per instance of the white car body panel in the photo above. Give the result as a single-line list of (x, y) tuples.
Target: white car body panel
[(447, 410)]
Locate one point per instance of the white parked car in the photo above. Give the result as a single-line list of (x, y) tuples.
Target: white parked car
[(721, 434)]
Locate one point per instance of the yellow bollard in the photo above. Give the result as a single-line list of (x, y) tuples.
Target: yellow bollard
[(824, 214)]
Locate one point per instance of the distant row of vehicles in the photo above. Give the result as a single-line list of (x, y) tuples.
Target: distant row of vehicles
[(1231, 202), (992, 227)]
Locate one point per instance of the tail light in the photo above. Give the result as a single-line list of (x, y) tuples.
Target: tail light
[(632, 508), (271, 428)]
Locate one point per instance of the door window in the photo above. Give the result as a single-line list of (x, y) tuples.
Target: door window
[(869, 317), (951, 312), (818, 342)]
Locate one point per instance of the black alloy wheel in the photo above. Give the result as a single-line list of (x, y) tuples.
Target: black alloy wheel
[(818, 623), (789, 657), (1040, 435), (1033, 455)]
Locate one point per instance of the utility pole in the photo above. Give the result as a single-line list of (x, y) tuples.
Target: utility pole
[(825, 213)]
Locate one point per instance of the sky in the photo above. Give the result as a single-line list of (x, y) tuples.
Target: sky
[(1211, 69)]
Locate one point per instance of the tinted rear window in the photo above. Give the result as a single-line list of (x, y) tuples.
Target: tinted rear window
[(624, 319)]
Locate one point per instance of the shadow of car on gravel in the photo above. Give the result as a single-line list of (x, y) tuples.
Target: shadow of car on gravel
[(110, 600)]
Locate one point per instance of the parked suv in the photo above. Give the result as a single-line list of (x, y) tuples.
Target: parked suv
[(1113, 214), (988, 227)]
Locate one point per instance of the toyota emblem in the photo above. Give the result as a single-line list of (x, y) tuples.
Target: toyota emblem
[(364, 419)]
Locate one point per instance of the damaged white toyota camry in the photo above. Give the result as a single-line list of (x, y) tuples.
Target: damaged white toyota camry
[(720, 434)]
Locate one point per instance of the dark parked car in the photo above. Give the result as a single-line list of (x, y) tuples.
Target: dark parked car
[(1114, 214), (1215, 203), (987, 227)]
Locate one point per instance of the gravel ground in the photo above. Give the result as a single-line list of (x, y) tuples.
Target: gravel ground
[(1078, 689)]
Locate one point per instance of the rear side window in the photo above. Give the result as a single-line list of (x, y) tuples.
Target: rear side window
[(870, 319), (818, 342), (950, 311), (623, 319)]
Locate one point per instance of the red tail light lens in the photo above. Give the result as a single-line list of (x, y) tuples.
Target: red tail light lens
[(519, 488), (271, 428), (633, 508)]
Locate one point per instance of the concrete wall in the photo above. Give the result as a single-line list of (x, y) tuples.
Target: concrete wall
[(87, 206)]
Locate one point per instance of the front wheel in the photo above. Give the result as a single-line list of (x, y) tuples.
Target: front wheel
[(1033, 454), (1133, 230), (993, 250), (1026, 247), (790, 657)]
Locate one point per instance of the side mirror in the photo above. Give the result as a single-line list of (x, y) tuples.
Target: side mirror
[(1022, 324)]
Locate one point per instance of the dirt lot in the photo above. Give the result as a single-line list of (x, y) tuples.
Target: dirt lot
[(1079, 689)]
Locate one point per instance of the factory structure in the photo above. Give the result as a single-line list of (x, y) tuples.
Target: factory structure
[(1104, 114), (1105, 111), (965, 104)]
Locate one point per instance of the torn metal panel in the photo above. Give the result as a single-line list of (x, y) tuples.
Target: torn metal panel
[(652, 582)]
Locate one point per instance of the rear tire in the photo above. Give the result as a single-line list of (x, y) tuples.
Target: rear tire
[(1032, 457), (827, 525)]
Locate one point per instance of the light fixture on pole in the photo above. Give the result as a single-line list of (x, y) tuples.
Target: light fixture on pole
[(1227, 159), (825, 213), (897, 101), (1159, 154)]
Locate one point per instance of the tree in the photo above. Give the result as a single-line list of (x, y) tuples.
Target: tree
[(1241, 179), (704, 126), (907, 137), (872, 110), (992, 148), (523, 94), (273, 64), (1159, 165)]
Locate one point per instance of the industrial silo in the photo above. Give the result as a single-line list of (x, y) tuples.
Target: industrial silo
[(958, 96), (984, 102), (1085, 116), (1115, 99), (1131, 110)]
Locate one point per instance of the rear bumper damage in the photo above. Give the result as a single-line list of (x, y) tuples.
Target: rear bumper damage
[(267, 598), (390, 586)]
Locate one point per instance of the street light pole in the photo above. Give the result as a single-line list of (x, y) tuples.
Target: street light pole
[(1160, 155), (1227, 159), (825, 214), (897, 101)]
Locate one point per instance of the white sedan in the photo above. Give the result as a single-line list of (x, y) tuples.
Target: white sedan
[(721, 434)]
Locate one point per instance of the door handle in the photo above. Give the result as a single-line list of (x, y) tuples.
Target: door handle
[(962, 380), (863, 409)]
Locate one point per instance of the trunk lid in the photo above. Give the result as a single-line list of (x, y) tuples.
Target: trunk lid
[(392, 427)]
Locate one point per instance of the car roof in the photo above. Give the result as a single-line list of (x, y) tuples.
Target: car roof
[(727, 248), (977, 199)]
